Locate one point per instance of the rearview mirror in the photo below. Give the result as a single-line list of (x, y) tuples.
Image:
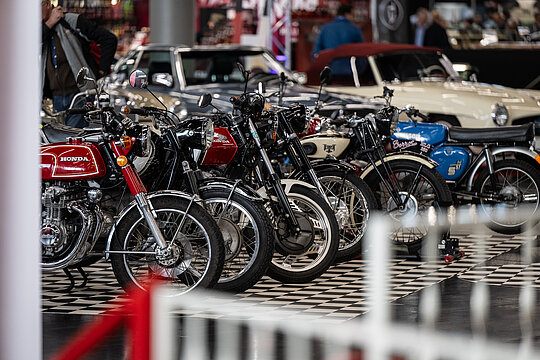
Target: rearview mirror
[(326, 76), (204, 100), (81, 76), (138, 79)]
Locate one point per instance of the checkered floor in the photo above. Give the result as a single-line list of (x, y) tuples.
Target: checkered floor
[(339, 294)]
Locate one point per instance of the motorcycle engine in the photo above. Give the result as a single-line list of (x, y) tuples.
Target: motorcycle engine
[(58, 224)]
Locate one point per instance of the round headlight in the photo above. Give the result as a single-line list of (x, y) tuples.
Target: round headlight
[(499, 114), (208, 134)]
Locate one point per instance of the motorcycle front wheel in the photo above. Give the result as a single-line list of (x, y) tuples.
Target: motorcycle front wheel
[(311, 209), (248, 237), (429, 192), (515, 198), (193, 260), (352, 201)]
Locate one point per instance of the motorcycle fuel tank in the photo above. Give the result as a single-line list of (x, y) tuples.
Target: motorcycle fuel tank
[(222, 150), (319, 146), (453, 161), (74, 160), (433, 134)]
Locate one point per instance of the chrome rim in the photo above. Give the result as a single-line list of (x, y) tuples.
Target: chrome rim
[(240, 234), (351, 209), (183, 266), (519, 197), (322, 237)]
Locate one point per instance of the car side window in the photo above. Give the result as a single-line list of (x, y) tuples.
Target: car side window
[(365, 73), (157, 65), (123, 70), (203, 68)]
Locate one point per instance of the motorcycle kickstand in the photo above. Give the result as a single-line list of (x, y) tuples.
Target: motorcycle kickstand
[(71, 279), (84, 276)]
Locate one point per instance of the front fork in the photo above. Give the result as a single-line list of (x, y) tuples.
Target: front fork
[(138, 190), (276, 181)]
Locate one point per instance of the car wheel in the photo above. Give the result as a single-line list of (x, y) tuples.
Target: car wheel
[(444, 120)]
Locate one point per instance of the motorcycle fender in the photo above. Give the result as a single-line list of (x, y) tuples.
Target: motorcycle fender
[(320, 164), (497, 151), (419, 158), (224, 183), (287, 186), (154, 195)]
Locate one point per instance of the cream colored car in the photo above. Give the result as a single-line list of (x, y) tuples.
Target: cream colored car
[(425, 78)]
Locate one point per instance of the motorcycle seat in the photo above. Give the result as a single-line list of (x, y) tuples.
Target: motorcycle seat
[(60, 133), (517, 133)]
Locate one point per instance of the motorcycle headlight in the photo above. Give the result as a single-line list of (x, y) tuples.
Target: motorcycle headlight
[(296, 116), (197, 133), (208, 134), (499, 114), (387, 121)]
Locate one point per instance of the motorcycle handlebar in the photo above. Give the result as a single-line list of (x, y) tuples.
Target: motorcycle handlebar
[(76, 111)]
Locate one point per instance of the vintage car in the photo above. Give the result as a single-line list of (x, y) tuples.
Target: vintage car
[(425, 78), (179, 74)]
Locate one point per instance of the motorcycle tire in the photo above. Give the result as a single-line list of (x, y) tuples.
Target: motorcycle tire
[(311, 264), (352, 201), (526, 186), (195, 261), (432, 191), (248, 235)]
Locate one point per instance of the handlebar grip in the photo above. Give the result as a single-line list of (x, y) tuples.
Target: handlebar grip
[(423, 117), (76, 111), (134, 111)]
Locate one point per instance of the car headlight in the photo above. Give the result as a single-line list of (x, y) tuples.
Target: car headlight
[(499, 114), (208, 134)]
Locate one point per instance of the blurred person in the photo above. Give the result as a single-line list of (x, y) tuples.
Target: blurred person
[(420, 23), (65, 49), (436, 35), (338, 32), (495, 20), (535, 26)]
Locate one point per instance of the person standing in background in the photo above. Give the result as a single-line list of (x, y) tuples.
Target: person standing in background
[(338, 32), (420, 24), (65, 50), (436, 35)]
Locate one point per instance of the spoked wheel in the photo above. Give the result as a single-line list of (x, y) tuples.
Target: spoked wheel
[(422, 195), (318, 222), (248, 237), (351, 200), (515, 198), (194, 257)]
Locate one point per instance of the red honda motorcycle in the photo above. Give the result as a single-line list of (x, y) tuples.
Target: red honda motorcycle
[(163, 235)]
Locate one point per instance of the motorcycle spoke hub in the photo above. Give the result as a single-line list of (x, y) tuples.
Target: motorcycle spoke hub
[(511, 196), (341, 210), (297, 242), (232, 238), (409, 209)]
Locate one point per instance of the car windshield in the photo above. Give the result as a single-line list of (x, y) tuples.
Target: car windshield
[(414, 66), (212, 67)]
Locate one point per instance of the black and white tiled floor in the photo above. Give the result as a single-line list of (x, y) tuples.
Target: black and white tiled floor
[(339, 294)]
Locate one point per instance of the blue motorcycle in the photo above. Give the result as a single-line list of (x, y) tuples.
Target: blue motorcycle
[(496, 168)]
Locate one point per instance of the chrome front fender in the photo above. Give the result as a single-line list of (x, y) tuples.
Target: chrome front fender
[(224, 183), (419, 158)]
